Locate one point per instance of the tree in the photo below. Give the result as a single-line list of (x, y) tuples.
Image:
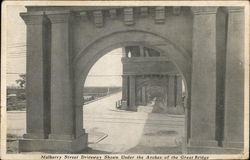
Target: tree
[(21, 81)]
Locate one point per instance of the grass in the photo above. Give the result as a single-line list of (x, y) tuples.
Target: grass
[(12, 143), (19, 105)]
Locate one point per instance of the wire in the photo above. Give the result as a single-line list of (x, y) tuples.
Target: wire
[(17, 46), (16, 53), (115, 53), (16, 43), (87, 76), (16, 57), (25, 51), (14, 73), (103, 75)]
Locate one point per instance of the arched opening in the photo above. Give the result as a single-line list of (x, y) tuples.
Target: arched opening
[(93, 53), (168, 90), (63, 43), (101, 91)]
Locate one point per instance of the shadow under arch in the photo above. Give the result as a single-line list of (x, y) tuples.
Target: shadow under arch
[(149, 82), (91, 54)]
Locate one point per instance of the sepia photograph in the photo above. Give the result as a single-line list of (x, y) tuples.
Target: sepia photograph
[(131, 80)]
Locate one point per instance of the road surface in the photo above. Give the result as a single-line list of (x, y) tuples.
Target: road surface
[(117, 131)]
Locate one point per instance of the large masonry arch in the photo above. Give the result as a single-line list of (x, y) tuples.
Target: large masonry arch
[(95, 51), (65, 42), (116, 40)]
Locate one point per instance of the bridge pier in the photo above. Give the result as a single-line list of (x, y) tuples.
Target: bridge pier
[(171, 91), (38, 104), (203, 99), (178, 94), (234, 90), (132, 95), (54, 126)]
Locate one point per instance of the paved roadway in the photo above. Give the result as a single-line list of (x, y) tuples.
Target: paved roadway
[(116, 131)]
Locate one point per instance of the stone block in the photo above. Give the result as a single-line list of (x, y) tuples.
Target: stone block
[(54, 145)]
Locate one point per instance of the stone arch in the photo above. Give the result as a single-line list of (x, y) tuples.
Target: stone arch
[(90, 55), (56, 80)]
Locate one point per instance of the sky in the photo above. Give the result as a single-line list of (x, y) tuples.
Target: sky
[(108, 65), (16, 40)]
